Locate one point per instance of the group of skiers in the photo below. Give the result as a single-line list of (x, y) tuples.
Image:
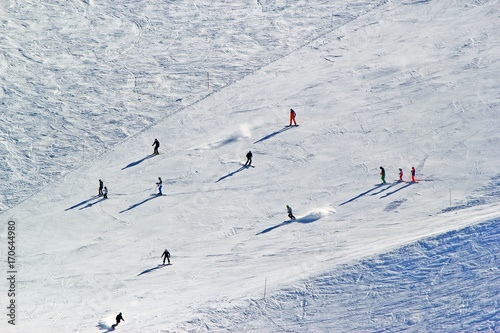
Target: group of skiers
[(382, 175), (103, 191)]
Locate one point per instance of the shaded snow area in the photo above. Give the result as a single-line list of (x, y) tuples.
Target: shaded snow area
[(86, 87), (447, 283)]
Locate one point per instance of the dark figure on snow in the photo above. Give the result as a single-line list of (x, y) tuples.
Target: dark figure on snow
[(400, 174), (105, 192), (382, 174), (156, 145), (289, 211), (292, 117), (160, 185), (119, 318), (413, 174), (249, 159), (101, 184), (166, 256)]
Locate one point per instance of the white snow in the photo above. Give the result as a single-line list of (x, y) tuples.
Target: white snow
[(88, 85)]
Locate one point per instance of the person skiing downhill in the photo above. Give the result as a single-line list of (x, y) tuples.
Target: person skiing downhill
[(289, 211), (166, 256), (400, 174), (156, 145), (292, 117), (382, 175), (101, 184), (119, 318), (249, 159), (413, 174), (160, 185), (105, 192)]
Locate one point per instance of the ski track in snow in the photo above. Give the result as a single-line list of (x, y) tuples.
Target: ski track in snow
[(87, 86)]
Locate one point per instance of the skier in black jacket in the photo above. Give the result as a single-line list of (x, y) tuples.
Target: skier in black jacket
[(289, 211), (249, 159), (166, 256), (156, 145), (119, 318)]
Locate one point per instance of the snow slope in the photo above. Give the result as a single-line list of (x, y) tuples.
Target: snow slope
[(79, 76), (400, 84)]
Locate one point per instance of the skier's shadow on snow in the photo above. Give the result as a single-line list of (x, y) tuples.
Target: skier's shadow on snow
[(138, 162), (103, 326), (152, 269), (312, 217), (362, 194), (140, 203), (232, 173), (83, 203), (273, 134), (399, 189), (385, 188)]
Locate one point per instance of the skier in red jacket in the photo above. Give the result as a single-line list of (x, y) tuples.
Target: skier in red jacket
[(292, 117)]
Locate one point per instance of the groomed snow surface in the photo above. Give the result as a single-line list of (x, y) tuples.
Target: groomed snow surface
[(88, 85)]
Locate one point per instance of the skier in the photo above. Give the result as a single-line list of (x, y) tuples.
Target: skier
[(119, 318), (289, 211), (101, 184), (166, 256), (105, 193), (382, 174), (400, 174), (292, 117), (413, 174), (156, 145), (249, 159), (159, 184)]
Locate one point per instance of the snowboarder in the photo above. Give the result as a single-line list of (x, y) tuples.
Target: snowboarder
[(292, 117), (160, 185), (413, 174), (119, 318), (105, 192), (400, 174), (166, 256), (382, 175), (289, 211), (101, 184), (156, 145), (249, 159)]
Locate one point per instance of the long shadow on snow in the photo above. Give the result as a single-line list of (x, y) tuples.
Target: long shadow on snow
[(385, 188), (140, 203), (232, 173), (138, 162), (312, 217), (90, 204), (152, 269), (399, 189), (273, 134), (82, 203), (362, 194)]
